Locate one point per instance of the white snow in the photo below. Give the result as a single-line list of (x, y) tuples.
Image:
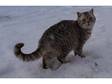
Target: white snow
[(27, 24)]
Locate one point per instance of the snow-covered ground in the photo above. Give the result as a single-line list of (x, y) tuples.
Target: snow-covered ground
[(27, 24)]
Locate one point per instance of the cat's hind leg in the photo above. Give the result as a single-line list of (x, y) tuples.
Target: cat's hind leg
[(44, 65), (62, 58)]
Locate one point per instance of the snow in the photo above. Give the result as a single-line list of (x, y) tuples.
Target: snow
[(27, 24)]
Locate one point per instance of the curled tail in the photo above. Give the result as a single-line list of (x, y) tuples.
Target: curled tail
[(26, 57)]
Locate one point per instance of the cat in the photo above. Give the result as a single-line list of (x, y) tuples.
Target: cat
[(61, 38)]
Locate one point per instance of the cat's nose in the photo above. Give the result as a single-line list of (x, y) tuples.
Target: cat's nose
[(88, 23)]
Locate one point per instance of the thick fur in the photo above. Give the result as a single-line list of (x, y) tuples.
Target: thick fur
[(26, 57), (60, 39)]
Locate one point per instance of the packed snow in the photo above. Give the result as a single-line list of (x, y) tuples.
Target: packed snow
[(27, 24)]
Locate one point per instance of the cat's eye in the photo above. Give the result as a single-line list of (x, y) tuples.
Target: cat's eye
[(91, 19)]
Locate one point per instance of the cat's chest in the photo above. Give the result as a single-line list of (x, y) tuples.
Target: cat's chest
[(86, 35)]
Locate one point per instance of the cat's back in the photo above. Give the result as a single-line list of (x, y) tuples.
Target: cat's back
[(62, 30), (59, 27), (62, 25)]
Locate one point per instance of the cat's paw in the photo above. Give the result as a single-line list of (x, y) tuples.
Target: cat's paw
[(82, 56), (44, 66), (76, 53)]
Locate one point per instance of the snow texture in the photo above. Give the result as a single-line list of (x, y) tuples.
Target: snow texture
[(27, 24)]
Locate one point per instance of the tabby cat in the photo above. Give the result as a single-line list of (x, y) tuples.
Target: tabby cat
[(60, 39)]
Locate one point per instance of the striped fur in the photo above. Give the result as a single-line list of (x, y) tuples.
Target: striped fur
[(60, 39), (26, 57)]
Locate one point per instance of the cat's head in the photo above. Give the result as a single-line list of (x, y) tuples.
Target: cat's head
[(86, 20)]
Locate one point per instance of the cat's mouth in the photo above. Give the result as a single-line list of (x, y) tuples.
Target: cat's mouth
[(89, 24)]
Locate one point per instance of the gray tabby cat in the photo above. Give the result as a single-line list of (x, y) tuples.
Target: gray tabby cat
[(60, 39)]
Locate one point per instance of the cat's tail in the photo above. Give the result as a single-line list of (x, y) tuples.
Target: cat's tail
[(26, 57)]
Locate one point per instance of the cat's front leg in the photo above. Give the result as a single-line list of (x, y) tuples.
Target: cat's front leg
[(79, 50), (79, 53)]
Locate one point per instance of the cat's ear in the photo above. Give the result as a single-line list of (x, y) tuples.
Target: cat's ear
[(91, 11), (78, 14)]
